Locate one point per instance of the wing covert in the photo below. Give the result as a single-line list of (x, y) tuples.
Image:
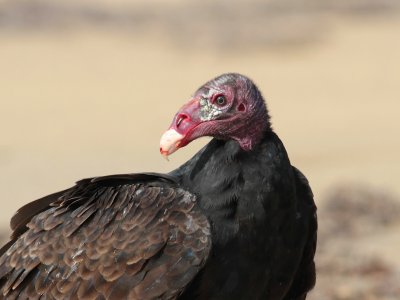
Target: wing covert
[(109, 239)]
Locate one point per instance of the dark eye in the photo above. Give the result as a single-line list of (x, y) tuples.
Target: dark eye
[(220, 100)]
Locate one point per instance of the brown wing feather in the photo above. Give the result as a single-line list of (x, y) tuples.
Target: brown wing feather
[(109, 239), (26, 212)]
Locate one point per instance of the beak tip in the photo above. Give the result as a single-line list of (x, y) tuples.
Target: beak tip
[(164, 153), (170, 142)]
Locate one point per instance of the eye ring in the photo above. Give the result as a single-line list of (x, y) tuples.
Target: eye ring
[(220, 100)]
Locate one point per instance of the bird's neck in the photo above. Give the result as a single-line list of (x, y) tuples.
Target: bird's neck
[(250, 131), (218, 176)]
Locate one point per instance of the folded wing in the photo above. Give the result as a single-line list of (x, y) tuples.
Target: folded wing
[(136, 236)]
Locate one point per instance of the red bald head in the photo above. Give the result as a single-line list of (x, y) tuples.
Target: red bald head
[(228, 107)]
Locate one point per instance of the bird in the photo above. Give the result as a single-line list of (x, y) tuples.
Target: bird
[(236, 221)]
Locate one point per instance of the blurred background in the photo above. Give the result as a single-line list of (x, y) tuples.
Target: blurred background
[(88, 87)]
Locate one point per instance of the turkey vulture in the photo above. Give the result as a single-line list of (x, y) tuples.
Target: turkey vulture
[(237, 221)]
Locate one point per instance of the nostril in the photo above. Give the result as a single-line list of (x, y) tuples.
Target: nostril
[(180, 118)]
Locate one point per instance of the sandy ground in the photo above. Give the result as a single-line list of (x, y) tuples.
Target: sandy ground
[(85, 103)]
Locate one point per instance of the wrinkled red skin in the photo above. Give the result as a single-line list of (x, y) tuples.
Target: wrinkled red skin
[(240, 118)]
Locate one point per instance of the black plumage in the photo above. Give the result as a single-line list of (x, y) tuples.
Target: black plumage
[(237, 221)]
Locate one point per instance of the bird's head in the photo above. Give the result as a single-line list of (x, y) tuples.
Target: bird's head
[(229, 106)]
